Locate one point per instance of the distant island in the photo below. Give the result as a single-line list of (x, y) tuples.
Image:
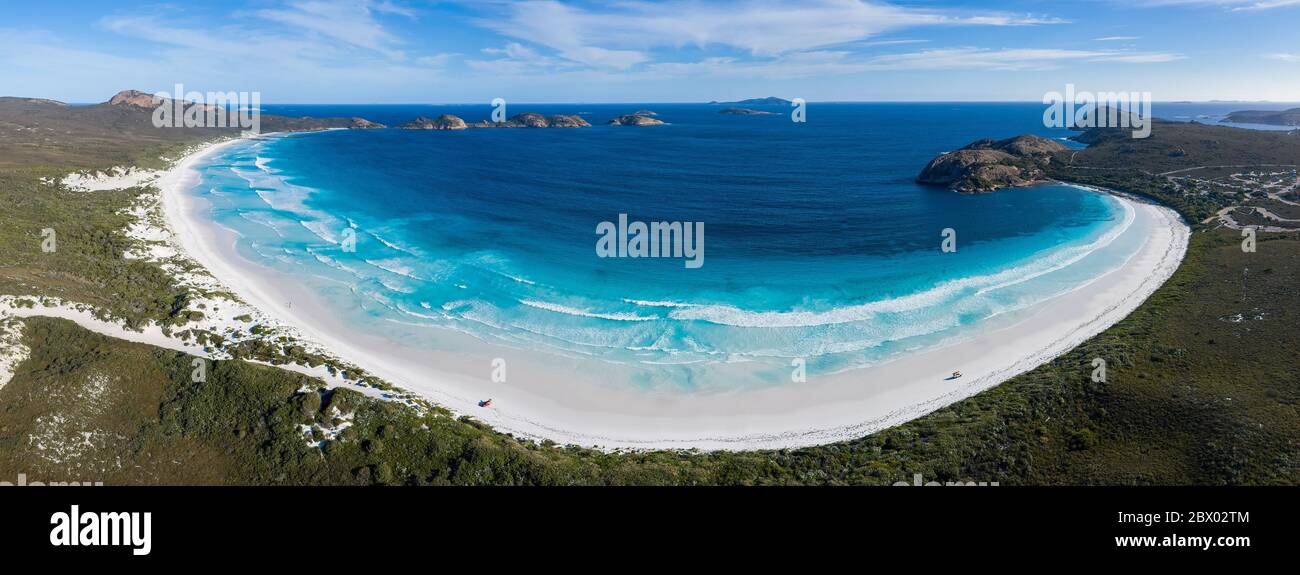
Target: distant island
[(524, 120), (443, 122), (768, 101), (745, 112), (637, 119), (1270, 117)]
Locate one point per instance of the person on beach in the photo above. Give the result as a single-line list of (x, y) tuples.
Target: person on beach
[(485, 403)]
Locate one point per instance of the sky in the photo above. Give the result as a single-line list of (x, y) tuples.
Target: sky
[(430, 51)]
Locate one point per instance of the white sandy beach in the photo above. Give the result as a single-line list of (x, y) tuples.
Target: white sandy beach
[(562, 400)]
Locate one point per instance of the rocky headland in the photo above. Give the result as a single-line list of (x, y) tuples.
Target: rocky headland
[(1273, 118), (988, 165)]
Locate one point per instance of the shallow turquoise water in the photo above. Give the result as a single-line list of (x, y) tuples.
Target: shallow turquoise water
[(817, 244)]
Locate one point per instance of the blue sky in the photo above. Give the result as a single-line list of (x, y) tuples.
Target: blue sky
[(427, 51)]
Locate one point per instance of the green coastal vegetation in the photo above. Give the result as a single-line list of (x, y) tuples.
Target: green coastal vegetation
[(1202, 386)]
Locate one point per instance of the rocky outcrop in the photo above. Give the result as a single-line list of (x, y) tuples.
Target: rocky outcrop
[(132, 98), (988, 165), (364, 124), (644, 113), (635, 120), (138, 99), (745, 112), (443, 122), (535, 120), (567, 121)]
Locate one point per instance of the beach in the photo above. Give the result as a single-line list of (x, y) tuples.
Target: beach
[(562, 400)]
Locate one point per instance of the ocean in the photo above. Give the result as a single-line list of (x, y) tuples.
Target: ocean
[(817, 246)]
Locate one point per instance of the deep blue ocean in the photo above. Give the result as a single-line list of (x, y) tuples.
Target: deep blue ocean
[(817, 245)]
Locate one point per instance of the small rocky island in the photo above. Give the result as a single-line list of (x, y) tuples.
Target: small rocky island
[(524, 120), (637, 119), (443, 122), (1270, 117), (745, 112), (988, 165), (535, 120)]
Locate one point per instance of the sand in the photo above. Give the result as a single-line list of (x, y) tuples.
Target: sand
[(571, 402)]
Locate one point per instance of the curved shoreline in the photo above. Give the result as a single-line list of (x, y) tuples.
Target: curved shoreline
[(550, 404)]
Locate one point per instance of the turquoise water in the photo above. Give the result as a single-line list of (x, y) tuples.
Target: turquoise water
[(817, 243)]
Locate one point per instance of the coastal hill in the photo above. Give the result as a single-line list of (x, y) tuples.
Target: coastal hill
[(768, 101), (270, 122), (1273, 118), (41, 131), (987, 165)]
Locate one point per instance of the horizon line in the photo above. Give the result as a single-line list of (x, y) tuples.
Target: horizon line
[(680, 102)]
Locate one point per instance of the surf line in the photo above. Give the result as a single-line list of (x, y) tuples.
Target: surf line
[(639, 239)]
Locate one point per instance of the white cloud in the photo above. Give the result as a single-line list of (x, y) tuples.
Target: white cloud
[(834, 62), (620, 35), (515, 59), (1010, 59), (349, 21), (1283, 57), (1116, 38)]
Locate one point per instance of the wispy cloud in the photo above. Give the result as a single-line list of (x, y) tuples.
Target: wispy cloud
[(1116, 38), (836, 62), (1283, 57), (349, 21), (622, 35), (1012, 59), (1234, 5)]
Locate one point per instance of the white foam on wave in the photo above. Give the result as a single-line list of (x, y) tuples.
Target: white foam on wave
[(391, 245), (584, 313), (940, 294), (395, 266), (645, 303), (334, 263), (262, 219), (320, 230)]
